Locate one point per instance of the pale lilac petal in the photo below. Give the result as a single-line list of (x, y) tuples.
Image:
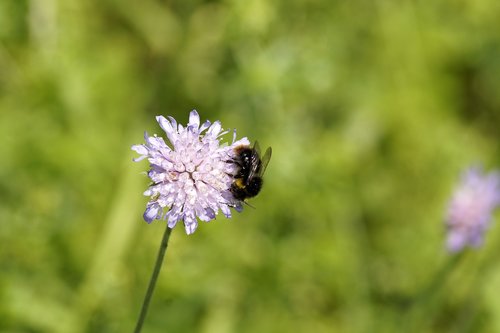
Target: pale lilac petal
[(234, 135), (226, 211), (140, 158), (173, 122), (194, 119), (190, 227), (165, 124), (156, 142), (238, 207), (205, 214), (172, 216), (140, 149), (241, 142), (206, 125), (190, 223), (455, 241), (169, 129), (151, 212), (476, 239), (172, 222), (215, 129)]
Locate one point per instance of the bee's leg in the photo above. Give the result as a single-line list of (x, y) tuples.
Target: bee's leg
[(233, 161)]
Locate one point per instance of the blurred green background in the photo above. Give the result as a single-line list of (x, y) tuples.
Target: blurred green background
[(372, 108)]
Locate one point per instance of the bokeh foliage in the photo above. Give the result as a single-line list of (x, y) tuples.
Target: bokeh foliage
[(372, 109)]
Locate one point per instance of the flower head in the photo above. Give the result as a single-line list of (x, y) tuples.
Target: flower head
[(471, 207), (191, 176)]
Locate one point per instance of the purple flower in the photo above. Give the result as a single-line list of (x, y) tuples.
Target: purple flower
[(191, 176), (470, 209)]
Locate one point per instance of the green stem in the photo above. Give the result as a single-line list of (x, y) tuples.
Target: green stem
[(429, 300), (152, 281)]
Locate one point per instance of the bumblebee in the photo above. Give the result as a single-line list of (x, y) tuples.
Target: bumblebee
[(248, 179)]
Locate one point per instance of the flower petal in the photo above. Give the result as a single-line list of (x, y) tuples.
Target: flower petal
[(140, 149), (455, 241), (215, 129), (152, 212), (165, 124), (190, 223), (204, 126), (194, 119), (169, 129)]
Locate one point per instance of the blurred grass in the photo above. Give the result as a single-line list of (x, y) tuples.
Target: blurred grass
[(372, 110)]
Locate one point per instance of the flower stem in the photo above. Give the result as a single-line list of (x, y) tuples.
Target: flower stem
[(427, 303), (152, 281)]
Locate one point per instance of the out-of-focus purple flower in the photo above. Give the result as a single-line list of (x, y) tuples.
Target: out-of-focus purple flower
[(191, 176), (471, 208)]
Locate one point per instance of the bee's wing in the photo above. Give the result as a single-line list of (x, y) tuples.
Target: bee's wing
[(258, 164), (256, 148), (255, 161), (265, 160)]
